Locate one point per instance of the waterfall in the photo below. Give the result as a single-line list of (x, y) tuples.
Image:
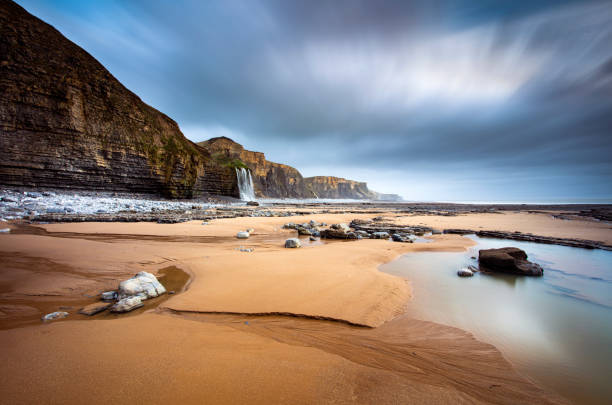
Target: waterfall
[(245, 184)]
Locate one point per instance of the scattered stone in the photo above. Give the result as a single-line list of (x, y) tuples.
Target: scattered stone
[(127, 304), (250, 230), (465, 272), (109, 296), (304, 231), (398, 237), (204, 223), (171, 292), (253, 203), (95, 308), (54, 315), (508, 260), (293, 243), (144, 285), (341, 227), (313, 238), (243, 235)]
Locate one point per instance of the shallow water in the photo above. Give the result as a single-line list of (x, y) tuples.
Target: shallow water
[(557, 329)]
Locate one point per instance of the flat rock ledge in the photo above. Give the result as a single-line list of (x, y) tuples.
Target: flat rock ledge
[(528, 237)]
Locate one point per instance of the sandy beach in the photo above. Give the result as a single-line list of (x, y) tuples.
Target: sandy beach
[(310, 325)]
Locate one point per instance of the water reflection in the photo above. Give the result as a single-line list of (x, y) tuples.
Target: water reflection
[(557, 329)]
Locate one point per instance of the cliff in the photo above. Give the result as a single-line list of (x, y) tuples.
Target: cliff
[(272, 180), (66, 122), (337, 187)]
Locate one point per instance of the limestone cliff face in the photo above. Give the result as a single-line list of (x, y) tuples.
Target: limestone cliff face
[(66, 122), (272, 180), (337, 187)]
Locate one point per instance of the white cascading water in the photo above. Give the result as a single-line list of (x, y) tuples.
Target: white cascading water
[(245, 184)]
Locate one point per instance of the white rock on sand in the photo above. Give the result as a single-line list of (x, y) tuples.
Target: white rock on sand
[(242, 235), (55, 315), (143, 285)]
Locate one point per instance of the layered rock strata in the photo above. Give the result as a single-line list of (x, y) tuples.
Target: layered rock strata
[(272, 180), (337, 187), (66, 122)]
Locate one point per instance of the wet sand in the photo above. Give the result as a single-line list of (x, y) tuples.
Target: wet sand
[(180, 352)]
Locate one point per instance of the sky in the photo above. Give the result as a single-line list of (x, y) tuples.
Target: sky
[(433, 100)]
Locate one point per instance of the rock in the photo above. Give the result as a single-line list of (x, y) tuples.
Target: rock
[(508, 260), (363, 234), (54, 315), (144, 285), (304, 231), (109, 296), (313, 238), (341, 227), (313, 223), (337, 187), (127, 304), (290, 225), (465, 272), (436, 232), (293, 243), (380, 235), (95, 308), (51, 87), (253, 203), (242, 235), (5, 230)]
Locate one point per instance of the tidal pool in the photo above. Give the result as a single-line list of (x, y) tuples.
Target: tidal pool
[(555, 329)]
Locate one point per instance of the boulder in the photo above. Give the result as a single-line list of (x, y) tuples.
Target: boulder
[(243, 235), (144, 285), (253, 203), (54, 315), (465, 272), (95, 308), (293, 243), (127, 304), (508, 260)]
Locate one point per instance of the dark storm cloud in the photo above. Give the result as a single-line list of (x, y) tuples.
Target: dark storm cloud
[(507, 99)]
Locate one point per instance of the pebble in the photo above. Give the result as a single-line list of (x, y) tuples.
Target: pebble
[(54, 315)]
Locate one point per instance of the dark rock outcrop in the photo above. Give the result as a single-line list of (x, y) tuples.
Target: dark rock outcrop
[(272, 180), (337, 187), (508, 260), (66, 122)]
